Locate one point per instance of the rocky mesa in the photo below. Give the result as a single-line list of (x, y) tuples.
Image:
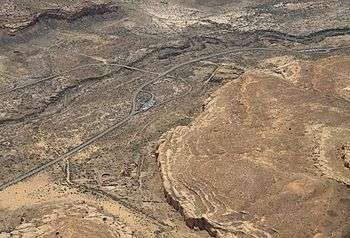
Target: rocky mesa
[(269, 156), (88, 88)]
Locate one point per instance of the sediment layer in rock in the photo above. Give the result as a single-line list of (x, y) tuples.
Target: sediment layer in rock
[(269, 155)]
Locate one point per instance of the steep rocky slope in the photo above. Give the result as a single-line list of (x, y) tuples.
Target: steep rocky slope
[(269, 156)]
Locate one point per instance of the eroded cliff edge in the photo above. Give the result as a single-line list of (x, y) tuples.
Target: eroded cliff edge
[(18, 15), (269, 156)]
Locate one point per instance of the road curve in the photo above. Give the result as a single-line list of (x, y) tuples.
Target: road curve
[(134, 111)]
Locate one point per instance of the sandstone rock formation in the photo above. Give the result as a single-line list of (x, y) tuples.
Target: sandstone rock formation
[(88, 87), (269, 156)]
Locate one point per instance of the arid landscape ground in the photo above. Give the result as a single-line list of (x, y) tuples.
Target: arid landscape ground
[(175, 118)]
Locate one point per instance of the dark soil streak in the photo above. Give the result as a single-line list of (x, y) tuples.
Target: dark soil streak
[(313, 37), (61, 14), (53, 100)]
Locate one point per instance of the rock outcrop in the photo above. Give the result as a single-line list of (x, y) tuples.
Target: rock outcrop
[(269, 156), (18, 15)]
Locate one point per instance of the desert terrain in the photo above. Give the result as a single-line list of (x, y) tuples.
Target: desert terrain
[(174, 118)]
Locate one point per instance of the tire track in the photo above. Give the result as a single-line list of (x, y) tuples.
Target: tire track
[(56, 98), (108, 62)]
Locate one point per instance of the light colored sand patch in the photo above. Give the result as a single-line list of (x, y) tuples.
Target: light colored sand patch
[(36, 190), (40, 191)]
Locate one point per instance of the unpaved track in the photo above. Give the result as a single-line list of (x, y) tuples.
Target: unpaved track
[(126, 64), (133, 112)]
